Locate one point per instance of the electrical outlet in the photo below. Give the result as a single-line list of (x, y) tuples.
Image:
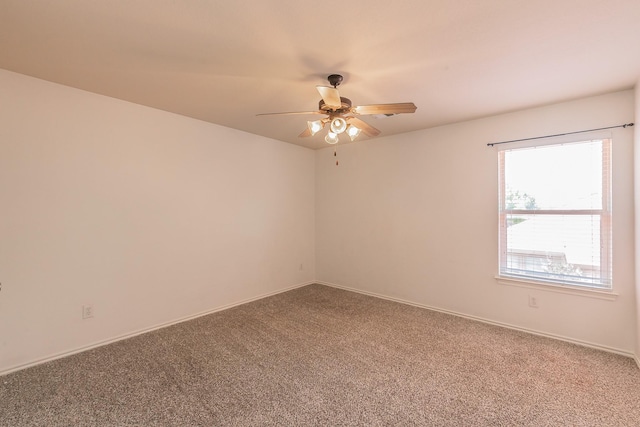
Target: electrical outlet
[(87, 311), (533, 301)]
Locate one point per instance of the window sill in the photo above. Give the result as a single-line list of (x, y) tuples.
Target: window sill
[(562, 289)]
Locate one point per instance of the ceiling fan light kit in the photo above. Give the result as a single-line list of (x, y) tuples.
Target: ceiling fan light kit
[(342, 115)]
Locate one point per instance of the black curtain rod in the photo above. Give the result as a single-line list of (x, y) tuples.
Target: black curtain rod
[(491, 144)]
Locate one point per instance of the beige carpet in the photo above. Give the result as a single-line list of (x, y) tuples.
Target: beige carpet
[(323, 356)]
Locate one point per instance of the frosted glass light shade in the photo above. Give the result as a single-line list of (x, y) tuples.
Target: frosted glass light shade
[(315, 126), (353, 132), (331, 138), (338, 125)]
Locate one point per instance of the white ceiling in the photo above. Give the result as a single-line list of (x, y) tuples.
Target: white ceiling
[(225, 61)]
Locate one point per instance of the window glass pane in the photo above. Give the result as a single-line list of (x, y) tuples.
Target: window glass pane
[(567, 176), (554, 247)]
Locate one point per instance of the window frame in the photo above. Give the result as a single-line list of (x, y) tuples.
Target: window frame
[(606, 225)]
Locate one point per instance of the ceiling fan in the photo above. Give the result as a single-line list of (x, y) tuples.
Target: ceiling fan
[(342, 116)]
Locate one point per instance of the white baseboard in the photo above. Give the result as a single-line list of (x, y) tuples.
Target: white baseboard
[(144, 330), (373, 294), (491, 322)]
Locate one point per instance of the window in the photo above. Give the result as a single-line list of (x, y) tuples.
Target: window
[(555, 214)]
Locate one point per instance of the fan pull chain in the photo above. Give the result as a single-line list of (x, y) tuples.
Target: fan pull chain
[(335, 154)]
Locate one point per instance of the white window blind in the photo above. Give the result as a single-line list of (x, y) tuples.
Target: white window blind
[(555, 213)]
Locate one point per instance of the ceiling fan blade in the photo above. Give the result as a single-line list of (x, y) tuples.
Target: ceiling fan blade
[(399, 108), (291, 113), (363, 126), (305, 133), (330, 96)]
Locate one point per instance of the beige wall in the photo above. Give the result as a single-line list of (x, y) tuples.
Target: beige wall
[(153, 217), (414, 217), (148, 216)]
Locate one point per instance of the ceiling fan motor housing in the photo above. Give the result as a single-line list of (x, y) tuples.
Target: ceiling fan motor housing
[(345, 107)]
